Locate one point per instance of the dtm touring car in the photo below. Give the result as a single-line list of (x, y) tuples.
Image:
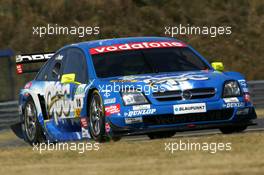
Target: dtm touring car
[(106, 89)]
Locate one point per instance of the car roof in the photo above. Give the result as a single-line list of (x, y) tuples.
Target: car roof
[(108, 42)]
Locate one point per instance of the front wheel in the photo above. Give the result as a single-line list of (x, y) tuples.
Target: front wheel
[(32, 129), (96, 117), (234, 129)]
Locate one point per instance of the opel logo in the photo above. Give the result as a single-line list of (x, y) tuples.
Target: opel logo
[(186, 95)]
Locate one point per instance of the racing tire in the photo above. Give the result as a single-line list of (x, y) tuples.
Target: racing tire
[(235, 129), (162, 134), (32, 130), (97, 117)]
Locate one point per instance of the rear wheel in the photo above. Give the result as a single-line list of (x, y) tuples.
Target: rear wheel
[(96, 117), (234, 129), (163, 134), (32, 130)]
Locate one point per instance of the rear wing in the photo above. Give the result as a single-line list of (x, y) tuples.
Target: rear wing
[(24, 59)]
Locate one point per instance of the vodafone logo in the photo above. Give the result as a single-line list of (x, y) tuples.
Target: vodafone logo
[(135, 46)]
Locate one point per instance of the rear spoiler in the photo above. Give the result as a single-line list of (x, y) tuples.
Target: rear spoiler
[(31, 58)]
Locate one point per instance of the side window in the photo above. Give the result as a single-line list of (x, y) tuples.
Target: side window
[(55, 67), (76, 63), (42, 74)]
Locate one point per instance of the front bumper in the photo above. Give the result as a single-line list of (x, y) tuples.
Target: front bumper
[(212, 119), (128, 131)]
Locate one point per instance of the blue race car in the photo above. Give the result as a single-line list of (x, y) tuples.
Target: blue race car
[(140, 85)]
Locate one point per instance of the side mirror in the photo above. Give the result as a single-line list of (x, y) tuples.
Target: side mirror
[(69, 78), (218, 66)]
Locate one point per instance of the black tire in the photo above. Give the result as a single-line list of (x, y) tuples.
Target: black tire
[(32, 130), (234, 129), (97, 117), (163, 134)]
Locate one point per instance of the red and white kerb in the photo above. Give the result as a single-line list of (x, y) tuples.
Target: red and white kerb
[(135, 46)]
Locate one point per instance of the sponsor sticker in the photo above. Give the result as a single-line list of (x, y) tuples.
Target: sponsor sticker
[(85, 133), (107, 127), (245, 90), (243, 111), (109, 101), (113, 109), (80, 90), (19, 68), (77, 112), (140, 112), (141, 107), (33, 57), (84, 123), (135, 46), (234, 105), (133, 120), (59, 57), (231, 100), (244, 85), (189, 108)]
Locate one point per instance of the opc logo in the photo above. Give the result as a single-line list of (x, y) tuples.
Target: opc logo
[(176, 109)]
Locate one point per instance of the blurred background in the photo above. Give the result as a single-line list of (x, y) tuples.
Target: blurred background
[(241, 51)]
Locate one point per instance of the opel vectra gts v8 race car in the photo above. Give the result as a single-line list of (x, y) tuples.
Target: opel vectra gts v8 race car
[(141, 85)]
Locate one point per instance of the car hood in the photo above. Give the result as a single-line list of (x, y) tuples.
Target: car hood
[(174, 81)]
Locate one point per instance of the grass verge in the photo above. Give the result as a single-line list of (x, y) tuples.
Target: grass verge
[(141, 157), (260, 113)]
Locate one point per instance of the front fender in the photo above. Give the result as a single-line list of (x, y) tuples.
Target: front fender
[(235, 75), (24, 96)]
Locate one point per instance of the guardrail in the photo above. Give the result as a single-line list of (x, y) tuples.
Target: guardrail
[(9, 110), (8, 113), (256, 89)]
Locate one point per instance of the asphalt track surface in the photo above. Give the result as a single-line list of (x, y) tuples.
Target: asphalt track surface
[(17, 142)]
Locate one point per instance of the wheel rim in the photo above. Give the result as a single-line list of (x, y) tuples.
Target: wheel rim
[(96, 115), (30, 120)]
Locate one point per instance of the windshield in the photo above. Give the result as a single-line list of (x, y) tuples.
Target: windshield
[(145, 61)]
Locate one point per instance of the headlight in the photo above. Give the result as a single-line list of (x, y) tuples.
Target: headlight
[(231, 89), (133, 98)]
